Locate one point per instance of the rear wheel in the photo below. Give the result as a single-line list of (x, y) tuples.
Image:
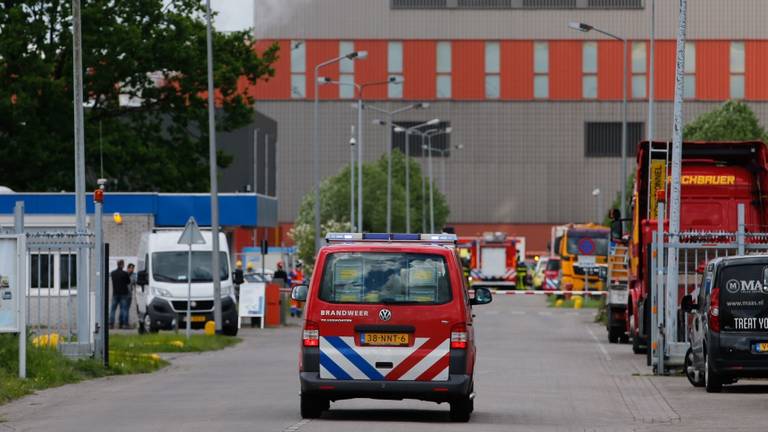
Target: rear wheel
[(636, 347), (712, 380), (148, 327), (690, 371), (230, 330), (461, 409), (313, 406)]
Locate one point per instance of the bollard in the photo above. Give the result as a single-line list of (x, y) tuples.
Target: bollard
[(578, 302), (210, 328), (559, 303)]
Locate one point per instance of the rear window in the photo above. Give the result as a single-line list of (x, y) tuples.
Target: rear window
[(744, 297), (553, 265), (388, 278)]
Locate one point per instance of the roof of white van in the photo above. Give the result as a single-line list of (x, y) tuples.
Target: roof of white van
[(169, 241)]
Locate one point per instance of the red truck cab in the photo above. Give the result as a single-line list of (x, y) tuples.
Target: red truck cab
[(388, 316)]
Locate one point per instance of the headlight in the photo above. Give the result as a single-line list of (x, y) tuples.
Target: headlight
[(162, 292), (226, 290)]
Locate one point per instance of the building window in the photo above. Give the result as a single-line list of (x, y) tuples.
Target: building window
[(639, 64), (346, 71), (540, 70), (53, 271), (492, 70), (589, 70), (603, 139), (444, 70), (689, 80), (41, 271), (395, 69), (737, 70), (298, 69), (441, 144)]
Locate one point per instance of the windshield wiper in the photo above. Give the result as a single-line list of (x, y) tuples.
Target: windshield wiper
[(164, 278)]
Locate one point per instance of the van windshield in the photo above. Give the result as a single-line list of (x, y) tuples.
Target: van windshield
[(172, 266), (385, 278), (744, 297), (553, 265)]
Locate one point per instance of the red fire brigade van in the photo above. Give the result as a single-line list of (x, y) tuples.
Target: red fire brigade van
[(388, 316)]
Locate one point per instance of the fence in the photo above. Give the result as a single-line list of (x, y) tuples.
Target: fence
[(669, 329)]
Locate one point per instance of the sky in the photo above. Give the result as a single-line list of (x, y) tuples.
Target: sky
[(233, 14)]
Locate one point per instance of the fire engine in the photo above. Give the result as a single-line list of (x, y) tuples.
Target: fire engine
[(494, 260)]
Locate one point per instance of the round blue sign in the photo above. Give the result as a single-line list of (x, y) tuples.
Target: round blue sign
[(586, 246)]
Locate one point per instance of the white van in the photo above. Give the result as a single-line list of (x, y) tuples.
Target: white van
[(162, 280)]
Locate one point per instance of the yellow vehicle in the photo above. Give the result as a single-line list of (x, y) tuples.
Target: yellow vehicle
[(583, 251)]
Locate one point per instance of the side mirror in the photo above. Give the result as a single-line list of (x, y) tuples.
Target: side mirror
[(237, 277), (482, 296), (687, 304), (142, 278), (299, 293)]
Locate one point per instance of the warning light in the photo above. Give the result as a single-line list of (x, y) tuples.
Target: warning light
[(98, 196), (536, 258), (118, 218)]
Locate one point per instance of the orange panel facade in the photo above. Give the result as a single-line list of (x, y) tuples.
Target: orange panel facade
[(565, 70), (756, 64), (278, 86), (516, 70), (419, 65), (712, 70), (373, 68), (609, 70), (665, 70), (319, 51), (468, 70)]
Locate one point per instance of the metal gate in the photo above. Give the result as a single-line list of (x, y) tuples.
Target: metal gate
[(669, 325)]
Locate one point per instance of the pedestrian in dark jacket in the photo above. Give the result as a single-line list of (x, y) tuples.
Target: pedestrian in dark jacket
[(121, 295)]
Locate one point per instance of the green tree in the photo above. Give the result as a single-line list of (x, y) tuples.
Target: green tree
[(732, 121), (151, 50), (334, 203)]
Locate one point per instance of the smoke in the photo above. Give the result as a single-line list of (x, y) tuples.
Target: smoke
[(269, 14)]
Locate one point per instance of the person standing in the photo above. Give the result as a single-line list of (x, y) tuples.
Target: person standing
[(280, 276), (297, 278), (121, 295)]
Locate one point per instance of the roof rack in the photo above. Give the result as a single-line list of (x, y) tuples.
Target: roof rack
[(390, 237)]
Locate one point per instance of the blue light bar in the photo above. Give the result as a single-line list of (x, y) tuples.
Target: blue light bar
[(396, 237)]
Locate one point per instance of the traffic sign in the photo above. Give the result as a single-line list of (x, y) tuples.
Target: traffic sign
[(191, 234), (586, 246)]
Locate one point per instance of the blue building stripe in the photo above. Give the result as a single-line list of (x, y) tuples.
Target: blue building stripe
[(333, 368), (355, 358)]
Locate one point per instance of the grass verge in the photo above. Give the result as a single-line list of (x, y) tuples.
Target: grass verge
[(170, 342), (129, 354), (589, 303)]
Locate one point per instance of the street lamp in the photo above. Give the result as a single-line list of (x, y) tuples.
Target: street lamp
[(355, 55), (582, 27), (352, 143), (599, 198), (360, 89), (408, 132), (388, 124), (428, 135)]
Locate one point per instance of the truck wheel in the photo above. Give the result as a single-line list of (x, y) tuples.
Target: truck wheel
[(690, 370), (614, 335), (636, 347), (712, 381), (312, 406), (461, 409), (230, 330), (148, 327)]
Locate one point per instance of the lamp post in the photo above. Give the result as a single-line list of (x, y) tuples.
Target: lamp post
[(352, 178), (355, 55), (388, 124), (360, 88), (428, 135), (599, 198), (585, 28), (408, 132), (442, 162)]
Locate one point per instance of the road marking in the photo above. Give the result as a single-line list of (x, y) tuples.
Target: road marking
[(599, 344), (297, 426)]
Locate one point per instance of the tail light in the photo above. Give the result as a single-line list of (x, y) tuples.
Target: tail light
[(459, 336), (311, 335), (714, 310)]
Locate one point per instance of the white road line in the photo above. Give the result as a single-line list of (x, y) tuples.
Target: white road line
[(599, 344), (296, 427)]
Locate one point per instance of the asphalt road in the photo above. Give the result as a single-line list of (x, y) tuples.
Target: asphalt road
[(539, 369)]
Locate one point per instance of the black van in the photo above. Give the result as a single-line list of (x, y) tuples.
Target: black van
[(729, 328)]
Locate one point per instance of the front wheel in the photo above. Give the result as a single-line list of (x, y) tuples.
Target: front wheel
[(695, 379), (712, 380), (147, 324), (230, 330)]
